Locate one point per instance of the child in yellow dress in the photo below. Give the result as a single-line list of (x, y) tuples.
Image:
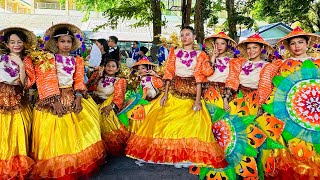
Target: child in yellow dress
[(15, 111), (66, 140)]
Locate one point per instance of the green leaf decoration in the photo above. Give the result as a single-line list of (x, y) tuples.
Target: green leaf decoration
[(140, 89), (287, 136), (123, 118), (248, 119), (143, 102), (240, 94), (203, 172), (308, 64), (272, 144), (268, 108), (277, 80), (251, 151), (317, 148), (218, 114), (231, 173)]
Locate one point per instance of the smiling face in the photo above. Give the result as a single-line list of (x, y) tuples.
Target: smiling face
[(111, 68), (254, 51), (64, 44), (221, 45), (15, 44), (142, 70), (187, 37), (298, 47)]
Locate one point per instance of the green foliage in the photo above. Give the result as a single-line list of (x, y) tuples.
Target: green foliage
[(289, 11)]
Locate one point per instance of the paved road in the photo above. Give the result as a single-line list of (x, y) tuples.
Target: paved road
[(123, 168)]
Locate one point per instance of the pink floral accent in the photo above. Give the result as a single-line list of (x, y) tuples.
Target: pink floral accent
[(67, 66), (108, 80), (144, 81), (221, 64), (186, 57), (249, 68), (11, 68)]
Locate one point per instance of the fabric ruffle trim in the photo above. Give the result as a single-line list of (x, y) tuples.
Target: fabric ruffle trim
[(70, 166), (16, 168), (116, 141), (176, 151)]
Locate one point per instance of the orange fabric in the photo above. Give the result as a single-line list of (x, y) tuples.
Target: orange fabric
[(92, 82), (157, 82), (31, 76), (78, 75), (119, 91), (265, 85), (169, 69), (175, 151), (235, 66), (47, 82), (60, 167), (203, 68), (116, 141), (16, 167)]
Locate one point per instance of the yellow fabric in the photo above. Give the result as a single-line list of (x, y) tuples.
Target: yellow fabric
[(14, 133), (54, 136), (134, 125), (162, 122)]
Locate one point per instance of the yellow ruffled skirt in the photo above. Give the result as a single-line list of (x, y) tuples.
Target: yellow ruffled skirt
[(15, 129), (69, 146), (176, 133), (113, 132)]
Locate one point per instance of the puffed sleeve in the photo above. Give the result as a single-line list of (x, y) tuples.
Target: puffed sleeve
[(119, 92), (235, 66), (157, 82), (31, 74), (203, 68), (78, 75), (169, 69), (265, 85)]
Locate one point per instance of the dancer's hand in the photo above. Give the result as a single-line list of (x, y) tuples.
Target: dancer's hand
[(77, 107), (58, 109), (197, 106), (215, 53), (226, 104), (106, 110), (163, 100)]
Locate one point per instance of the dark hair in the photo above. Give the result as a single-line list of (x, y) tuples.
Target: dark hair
[(144, 49), (189, 28), (148, 67), (20, 34), (113, 38), (137, 42), (117, 63), (63, 30), (302, 36), (104, 43)]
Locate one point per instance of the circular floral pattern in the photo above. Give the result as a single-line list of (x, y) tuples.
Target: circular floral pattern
[(303, 104), (224, 134)]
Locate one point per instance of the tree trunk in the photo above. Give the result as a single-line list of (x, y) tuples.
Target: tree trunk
[(199, 21), (232, 23), (186, 12), (156, 20)]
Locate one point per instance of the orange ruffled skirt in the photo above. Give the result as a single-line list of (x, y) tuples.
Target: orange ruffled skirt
[(69, 146), (176, 133)]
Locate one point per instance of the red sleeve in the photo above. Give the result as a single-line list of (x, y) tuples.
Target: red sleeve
[(78, 75), (235, 66), (157, 82), (170, 67), (31, 74), (203, 68)]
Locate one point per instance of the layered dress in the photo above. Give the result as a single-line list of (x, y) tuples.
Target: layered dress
[(175, 133), (107, 91), (15, 122), (68, 146)]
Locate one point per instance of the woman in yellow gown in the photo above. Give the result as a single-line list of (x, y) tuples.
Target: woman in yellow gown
[(66, 140), (177, 130), (15, 111)]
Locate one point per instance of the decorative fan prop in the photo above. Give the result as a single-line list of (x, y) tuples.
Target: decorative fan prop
[(133, 107), (236, 134)]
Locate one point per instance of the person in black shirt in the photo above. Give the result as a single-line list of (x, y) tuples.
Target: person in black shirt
[(114, 50)]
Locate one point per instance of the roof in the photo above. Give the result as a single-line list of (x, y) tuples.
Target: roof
[(264, 28)]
